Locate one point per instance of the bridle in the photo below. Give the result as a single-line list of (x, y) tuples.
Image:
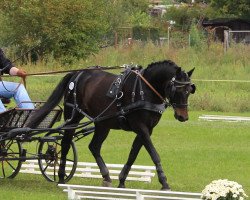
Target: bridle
[(173, 83)]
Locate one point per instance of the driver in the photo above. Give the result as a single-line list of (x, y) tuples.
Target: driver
[(12, 89)]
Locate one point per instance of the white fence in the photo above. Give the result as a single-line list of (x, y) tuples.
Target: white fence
[(242, 36), (224, 118), (91, 170), (77, 192)]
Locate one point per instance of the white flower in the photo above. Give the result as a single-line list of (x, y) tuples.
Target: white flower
[(225, 189)]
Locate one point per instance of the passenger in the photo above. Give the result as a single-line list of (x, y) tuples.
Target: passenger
[(12, 89)]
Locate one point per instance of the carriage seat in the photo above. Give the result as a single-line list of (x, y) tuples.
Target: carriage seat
[(5, 100)]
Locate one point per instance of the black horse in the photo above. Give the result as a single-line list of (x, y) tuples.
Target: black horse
[(133, 101)]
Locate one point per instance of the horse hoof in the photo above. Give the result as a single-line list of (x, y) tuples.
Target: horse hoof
[(121, 186), (61, 182), (106, 184), (165, 189)]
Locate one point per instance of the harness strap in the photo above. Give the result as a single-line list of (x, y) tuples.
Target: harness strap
[(150, 86), (137, 79), (138, 105), (74, 106), (134, 88)]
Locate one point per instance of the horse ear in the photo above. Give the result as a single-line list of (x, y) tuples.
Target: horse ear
[(190, 72), (178, 71)]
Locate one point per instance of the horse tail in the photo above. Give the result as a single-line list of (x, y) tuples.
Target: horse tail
[(51, 103)]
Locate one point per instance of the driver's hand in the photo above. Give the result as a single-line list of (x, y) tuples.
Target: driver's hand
[(21, 73)]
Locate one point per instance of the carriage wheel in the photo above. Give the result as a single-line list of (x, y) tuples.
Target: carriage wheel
[(50, 155), (10, 162)]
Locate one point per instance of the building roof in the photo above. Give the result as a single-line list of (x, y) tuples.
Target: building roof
[(223, 21)]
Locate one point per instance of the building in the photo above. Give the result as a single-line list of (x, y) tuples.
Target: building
[(240, 28)]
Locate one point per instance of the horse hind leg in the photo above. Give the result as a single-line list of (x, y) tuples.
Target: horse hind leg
[(65, 146), (95, 145)]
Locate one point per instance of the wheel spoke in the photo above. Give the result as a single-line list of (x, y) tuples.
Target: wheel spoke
[(10, 165), (12, 155), (3, 169), (9, 144), (57, 143), (45, 168), (54, 172)]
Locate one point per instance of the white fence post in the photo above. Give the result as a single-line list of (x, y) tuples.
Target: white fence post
[(226, 40), (139, 196)]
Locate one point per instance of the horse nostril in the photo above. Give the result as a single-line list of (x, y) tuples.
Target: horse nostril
[(182, 118)]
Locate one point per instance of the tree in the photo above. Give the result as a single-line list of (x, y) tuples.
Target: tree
[(232, 8), (68, 29), (185, 15)]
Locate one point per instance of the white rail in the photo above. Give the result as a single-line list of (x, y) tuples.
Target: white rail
[(77, 192), (91, 170), (224, 118)]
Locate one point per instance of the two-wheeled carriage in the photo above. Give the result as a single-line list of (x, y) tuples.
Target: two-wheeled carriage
[(18, 144)]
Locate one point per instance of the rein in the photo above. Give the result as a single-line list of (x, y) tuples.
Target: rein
[(67, 71), (55, 72), (20, 82), (151, 87)]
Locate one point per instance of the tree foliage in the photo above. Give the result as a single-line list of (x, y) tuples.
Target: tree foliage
[(234, 8), (184, 16), (67, 29)]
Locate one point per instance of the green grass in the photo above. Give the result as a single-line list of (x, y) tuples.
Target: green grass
[(192, 153)]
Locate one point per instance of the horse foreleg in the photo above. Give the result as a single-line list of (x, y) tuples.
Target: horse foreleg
[(95, 147), (147, 142), (137, 144), (65, 144)]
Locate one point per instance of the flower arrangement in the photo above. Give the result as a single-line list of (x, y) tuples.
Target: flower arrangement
[(223, 190)]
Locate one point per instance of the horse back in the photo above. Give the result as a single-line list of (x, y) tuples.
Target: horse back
[(92, 89)]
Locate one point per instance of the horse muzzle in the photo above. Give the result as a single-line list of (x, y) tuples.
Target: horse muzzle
[(181, 114)]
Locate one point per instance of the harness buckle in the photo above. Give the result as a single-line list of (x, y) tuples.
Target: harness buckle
[(119, 95), (118, 81)]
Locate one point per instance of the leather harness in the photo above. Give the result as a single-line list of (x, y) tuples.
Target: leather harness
[(116, 93)]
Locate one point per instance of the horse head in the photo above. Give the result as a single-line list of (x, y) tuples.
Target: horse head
[(179, 90)]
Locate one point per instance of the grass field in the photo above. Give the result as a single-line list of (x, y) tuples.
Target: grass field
[(192, 153)]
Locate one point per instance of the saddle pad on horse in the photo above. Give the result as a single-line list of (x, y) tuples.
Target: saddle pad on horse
[(116, 86)]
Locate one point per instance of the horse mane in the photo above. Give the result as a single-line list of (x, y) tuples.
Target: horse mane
[(165, 63), (164, 69)]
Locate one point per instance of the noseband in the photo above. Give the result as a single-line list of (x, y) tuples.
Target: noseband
[(177, 84)]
